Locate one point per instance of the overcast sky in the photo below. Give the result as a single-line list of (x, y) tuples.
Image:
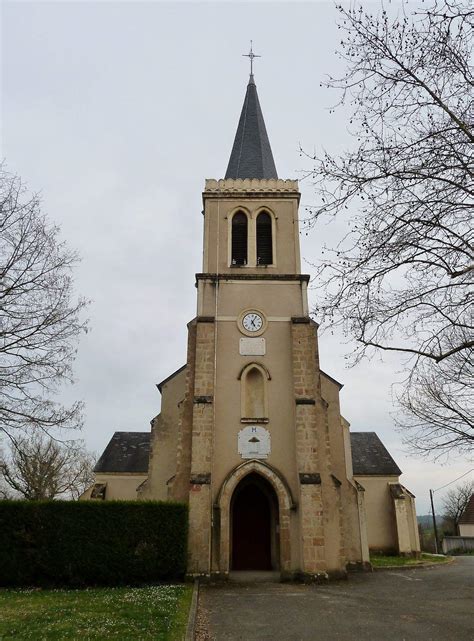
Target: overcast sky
[(116, 113)]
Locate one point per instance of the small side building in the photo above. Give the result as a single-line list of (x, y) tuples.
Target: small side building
[(389, 506), (466, 522), (122, 467), (464, 543)]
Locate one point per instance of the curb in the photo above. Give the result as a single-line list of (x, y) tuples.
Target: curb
[(190, 629), (414, 566)]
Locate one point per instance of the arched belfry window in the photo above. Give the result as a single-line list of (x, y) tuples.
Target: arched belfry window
[(254, 392), (264, 239), (239, 239)]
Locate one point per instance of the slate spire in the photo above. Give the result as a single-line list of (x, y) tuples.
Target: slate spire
[(251, 155)]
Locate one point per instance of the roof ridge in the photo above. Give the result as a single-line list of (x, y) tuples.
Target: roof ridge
[(130, 432)]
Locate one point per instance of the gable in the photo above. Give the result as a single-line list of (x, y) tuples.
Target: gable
[(170, 377)]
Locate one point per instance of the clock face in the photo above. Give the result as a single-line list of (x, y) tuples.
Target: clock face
[(252, 322)]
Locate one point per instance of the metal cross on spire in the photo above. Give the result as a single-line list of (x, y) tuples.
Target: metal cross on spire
[(251, 55)]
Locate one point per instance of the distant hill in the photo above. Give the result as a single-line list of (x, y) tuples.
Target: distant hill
[(426, 520)]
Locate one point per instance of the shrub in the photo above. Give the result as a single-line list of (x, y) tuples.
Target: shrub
[(91, 543)]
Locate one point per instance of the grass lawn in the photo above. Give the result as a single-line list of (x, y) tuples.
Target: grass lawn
[(127, 614), (381, 561)]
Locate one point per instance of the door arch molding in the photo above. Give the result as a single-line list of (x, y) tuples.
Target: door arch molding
[(285, 505)]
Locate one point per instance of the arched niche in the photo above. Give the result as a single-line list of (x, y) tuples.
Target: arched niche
[(253, 392)]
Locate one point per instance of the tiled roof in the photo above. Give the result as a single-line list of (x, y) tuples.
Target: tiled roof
[(467, 517), (126, 452), (251, 155), (369, 456), (129, 452)]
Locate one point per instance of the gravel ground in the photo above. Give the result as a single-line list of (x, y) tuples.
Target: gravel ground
[(202, 623)]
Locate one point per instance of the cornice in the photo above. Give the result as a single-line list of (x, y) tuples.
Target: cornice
[(302, 278), (257, 187)]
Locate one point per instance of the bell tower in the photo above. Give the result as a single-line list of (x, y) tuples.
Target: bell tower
[(263, 454)]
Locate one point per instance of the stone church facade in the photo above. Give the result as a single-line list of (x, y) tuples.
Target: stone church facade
[(250, 433)]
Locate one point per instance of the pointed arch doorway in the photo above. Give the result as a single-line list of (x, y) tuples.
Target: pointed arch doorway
[(254, 525)]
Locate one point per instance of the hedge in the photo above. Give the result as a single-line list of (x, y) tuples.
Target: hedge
[(66, 543)]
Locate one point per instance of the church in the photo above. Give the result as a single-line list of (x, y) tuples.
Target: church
[(250, 433)]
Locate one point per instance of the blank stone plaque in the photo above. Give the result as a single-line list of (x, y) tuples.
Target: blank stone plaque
[(252, 347)]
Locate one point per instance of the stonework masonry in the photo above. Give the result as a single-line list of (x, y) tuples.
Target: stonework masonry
[(200, 500)]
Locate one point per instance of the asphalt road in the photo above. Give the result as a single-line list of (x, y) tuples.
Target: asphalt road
[(426, 604)]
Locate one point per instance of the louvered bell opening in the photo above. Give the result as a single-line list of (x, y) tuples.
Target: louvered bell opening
[(239, 239), (264, 240)]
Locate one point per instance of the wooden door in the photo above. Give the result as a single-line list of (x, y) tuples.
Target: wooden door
[(251, 529)]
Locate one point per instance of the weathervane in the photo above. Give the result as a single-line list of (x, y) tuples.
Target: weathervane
[(251, 55)]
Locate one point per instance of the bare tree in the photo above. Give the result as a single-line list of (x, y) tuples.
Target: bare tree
[(40, 467), (401, 279), (438, 402), (456, 501), (4, 489), (40, 321)]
